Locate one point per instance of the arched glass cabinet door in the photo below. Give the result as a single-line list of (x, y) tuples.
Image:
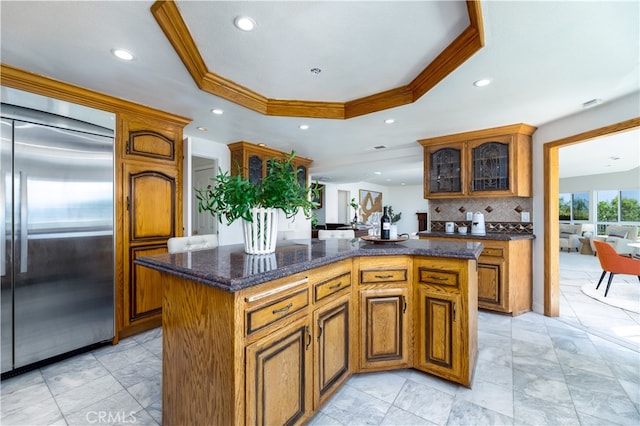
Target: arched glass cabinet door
[(255, 169), (445, 166), (302, 175), (490, 167)]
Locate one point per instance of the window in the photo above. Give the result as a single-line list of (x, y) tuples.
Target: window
[(574, 207), (617, 207)]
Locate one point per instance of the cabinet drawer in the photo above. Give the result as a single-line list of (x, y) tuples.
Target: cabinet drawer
[(433, 276), (493, 251), (331, 286), (373, 276), (276, 310)]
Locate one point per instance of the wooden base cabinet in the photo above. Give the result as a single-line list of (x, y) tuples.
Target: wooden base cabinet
[(274, 353), (332, 353), (278, 368), (385, 332), (446, 320)]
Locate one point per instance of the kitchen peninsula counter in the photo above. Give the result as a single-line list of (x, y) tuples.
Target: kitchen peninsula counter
[(230, 268), (268, 339)]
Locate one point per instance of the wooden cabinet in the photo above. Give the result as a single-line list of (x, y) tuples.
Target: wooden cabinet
[(276, 352), (385, 312), (149, 194), (505, 274), (446, 319), (485, 163), (251, 161), (332, 350), (278, 367)]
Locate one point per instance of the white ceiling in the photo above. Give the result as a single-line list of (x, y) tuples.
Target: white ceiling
[(545, 60)]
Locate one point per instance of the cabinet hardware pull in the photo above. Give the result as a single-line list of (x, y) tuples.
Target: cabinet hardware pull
[(331, 287), (384, 276), (433, 277), (321, 329), (276, 290), (404, 301), (454, 311), (306, 328), (285, 309)]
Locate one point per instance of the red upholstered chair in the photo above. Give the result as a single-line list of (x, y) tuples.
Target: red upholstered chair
[(614, 263)]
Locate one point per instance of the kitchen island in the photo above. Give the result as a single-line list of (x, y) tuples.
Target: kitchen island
[(268, 339)]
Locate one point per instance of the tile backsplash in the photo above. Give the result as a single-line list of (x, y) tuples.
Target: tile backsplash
[(496, 209)]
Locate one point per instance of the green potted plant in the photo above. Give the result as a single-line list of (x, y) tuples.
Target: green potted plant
[(235, 197)]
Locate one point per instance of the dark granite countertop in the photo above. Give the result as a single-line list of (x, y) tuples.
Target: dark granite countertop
[(231, 269), (488, 236)]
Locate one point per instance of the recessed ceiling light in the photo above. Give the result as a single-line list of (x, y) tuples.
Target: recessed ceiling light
[(388, 180), (125, 55), (244, 23), (377, 173), (262, 144), (217, 111), (482, 83), (202, 129), (591, 103), (303, 126), (389, 121)]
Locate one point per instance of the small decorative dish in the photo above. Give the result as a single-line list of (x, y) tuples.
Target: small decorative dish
[(377, 240)]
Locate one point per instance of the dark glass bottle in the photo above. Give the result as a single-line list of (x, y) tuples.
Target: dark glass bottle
[(385, 225)]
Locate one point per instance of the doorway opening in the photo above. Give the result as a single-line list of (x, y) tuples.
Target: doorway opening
[(551, 207), (202, 170)]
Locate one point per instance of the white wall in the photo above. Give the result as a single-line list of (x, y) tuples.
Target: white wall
[(407, 200), (603, 115), (622, 180)]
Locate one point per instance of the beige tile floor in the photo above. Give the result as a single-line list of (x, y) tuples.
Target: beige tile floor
[(582, 368)]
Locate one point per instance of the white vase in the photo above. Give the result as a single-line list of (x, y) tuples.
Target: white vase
[(260, 235)]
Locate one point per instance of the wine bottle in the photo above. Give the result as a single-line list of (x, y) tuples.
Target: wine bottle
[(385, 225)]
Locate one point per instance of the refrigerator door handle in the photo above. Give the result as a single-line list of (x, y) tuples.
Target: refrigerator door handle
[(24, 236), (3, 225)]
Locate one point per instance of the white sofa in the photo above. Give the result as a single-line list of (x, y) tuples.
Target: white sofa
[(619, 236)]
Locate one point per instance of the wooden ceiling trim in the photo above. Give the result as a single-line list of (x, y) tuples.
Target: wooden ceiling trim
[(462, 48), (306, 109), (19, 79), (525, 129)]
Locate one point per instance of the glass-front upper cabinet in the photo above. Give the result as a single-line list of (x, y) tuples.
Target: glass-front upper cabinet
[(445, 170), (482, 163), (490, 167)]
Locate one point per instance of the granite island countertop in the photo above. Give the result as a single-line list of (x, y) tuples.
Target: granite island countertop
[(230, 268), (497, 236)]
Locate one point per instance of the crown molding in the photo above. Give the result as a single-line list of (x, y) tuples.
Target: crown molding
[(455, 54)]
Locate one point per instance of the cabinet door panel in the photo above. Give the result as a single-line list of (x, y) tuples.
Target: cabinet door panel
[(151, 204), (489, 284), (146, 290), (438, 337), (277, 370), (332, 348), (384, 327)]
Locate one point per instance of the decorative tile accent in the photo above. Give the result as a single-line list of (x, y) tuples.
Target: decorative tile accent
[(491, 227), (489, 209), (462, 209), (438, 209), (518, 209)]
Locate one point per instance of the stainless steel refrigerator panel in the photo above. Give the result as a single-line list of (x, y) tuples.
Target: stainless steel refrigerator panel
[(63, 260), (6, 250)]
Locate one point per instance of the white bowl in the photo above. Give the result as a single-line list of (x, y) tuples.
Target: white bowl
[(462, 230)]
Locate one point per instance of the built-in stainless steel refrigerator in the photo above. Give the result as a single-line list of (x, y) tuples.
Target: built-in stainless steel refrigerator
[(57, 257)]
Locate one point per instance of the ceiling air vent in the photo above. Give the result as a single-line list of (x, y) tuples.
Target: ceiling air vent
[(379, 147)]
